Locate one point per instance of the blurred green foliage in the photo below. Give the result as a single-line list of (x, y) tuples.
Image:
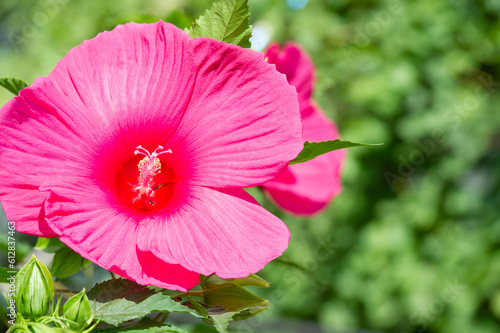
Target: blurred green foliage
[(412, 243)]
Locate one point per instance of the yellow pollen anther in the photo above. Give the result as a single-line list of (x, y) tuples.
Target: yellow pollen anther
[(148, 168)]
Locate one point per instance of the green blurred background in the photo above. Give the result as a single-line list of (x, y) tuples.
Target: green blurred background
[(412, 243)]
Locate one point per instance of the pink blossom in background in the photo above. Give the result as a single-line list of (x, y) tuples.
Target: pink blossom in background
[(308, 187), (135, 151)]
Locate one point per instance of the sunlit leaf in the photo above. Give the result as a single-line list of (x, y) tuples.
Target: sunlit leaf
[(315, 149), (226, 21), (13, 85)]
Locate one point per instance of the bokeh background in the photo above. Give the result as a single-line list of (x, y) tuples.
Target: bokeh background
[(412, 243)]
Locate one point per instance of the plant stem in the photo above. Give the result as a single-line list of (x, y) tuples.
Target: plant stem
[(188, 293)]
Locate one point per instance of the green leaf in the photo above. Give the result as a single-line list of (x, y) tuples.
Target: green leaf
[(13, 85), (119, 288), (221, 321), (252, 280), (145, 325), (226, 21), (67, 262), (122, 310), (158, 329), (315, 149), (50, 245), (6, 274), (140, 329)]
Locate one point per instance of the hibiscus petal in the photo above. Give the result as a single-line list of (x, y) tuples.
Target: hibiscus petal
[(32, 149), (119, 90), (22, 206), (135, 81), (296, 64), (93, 224), (306, 188), (221, 231), (242, 126)]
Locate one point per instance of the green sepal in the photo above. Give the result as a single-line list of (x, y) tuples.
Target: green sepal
[(231, 297), (198, 307)]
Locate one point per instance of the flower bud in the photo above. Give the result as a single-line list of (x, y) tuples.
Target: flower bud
[(34, 290), (77, 309)]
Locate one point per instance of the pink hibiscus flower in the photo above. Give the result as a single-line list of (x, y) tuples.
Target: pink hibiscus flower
[(135, 151), (308, 187)]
